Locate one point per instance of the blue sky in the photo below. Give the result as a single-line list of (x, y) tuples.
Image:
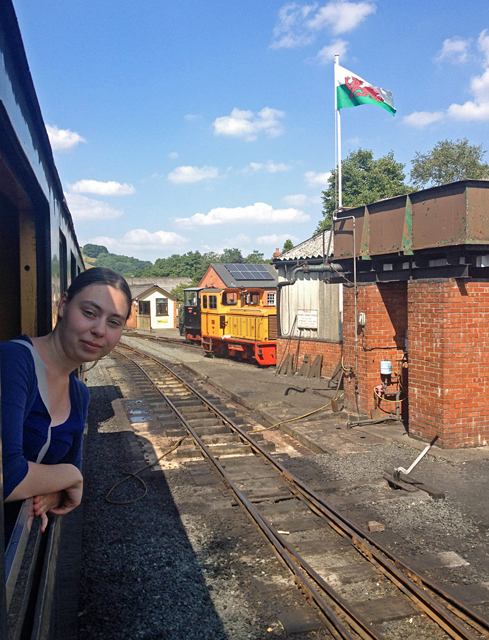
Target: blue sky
[(180, 126)]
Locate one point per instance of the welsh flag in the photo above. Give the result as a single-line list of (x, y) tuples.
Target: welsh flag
[(351, 91)]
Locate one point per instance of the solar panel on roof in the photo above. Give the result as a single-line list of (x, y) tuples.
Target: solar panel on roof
[(249, 271)]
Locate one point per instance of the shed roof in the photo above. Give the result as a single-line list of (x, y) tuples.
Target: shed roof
[(230, 280), (309, 249), (140, 290), (165, 283)]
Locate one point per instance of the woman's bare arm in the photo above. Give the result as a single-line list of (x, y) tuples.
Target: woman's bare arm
[(43, 479)]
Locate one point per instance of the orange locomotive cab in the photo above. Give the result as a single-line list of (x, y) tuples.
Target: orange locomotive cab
[(238, 323)]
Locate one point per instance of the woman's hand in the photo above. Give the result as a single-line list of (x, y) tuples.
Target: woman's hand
[(71, 499), (58, 503)]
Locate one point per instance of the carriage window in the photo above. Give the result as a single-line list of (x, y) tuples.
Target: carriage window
[(212, 302), (72, 266), (143, 308), (161, 306), (230, 297), (271, 298), (190, 298), (204, 302), (63, 263)]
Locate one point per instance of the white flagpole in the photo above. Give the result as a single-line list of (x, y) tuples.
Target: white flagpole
[(338, 131)]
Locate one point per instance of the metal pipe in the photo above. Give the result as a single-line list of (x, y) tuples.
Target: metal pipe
[(307, 268)]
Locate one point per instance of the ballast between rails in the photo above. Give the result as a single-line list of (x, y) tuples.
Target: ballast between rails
[(438, 605)]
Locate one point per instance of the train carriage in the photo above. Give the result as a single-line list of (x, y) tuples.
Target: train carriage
[(239, 323), (39, 257)]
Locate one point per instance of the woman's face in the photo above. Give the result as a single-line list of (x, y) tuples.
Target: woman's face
[(91, 324)]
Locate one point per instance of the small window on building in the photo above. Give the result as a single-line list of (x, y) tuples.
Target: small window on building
[(212, 302), (271, 298), (204, 302), (144, 308), (230, 298), (161, 306)]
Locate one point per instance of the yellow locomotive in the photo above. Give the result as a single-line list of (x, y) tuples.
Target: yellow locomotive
[(238, 322)]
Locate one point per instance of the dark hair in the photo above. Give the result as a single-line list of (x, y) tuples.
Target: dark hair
[(100, 275)]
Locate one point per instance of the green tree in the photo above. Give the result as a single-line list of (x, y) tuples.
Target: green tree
[(124, 265), (256, 257), (94, 250), (365, 180), (448, 162), (288, 245), (230, 256)]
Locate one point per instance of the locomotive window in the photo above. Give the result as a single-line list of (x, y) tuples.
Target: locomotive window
[(161, 306), (271, 299), (230, 297), (253, 298), (144, 308), (190, 298), (212, 302), (204, 302), (63, 263)]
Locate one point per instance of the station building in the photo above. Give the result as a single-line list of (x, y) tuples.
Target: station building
[(153, 308)]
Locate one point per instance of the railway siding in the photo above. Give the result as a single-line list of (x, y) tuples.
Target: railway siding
[(362, 496)]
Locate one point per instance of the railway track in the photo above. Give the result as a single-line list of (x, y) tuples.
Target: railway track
[(361, 588)]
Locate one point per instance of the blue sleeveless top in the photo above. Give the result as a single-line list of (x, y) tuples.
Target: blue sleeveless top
[(26, 420)]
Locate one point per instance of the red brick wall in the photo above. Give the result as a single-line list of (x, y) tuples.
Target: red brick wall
[(211, 279), (382, 338), (449, 362), (331, 352)]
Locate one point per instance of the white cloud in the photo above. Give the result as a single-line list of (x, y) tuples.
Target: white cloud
[(191, 116), (420, 119), (257, 213), (301, 200), (483, 46), (141, 241), (298, 26), (276, 240), (173, 155), (63, 139), (85, 209), (476, 109), (341, 16), (326, 54), (188, 175), (314, 179), (241, 241), (110, 188), (247, 125), (271, 167), (454, 50)]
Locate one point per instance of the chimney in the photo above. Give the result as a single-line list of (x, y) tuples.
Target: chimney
[(277, 253)]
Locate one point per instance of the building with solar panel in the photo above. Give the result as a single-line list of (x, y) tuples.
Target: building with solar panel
[(243, 276)]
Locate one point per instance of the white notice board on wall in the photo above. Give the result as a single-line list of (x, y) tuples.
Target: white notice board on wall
[(307, 319)]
